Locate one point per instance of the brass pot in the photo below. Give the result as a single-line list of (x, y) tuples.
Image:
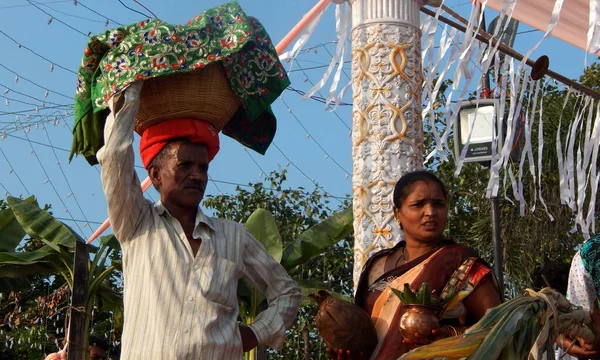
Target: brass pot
[(419, 319)]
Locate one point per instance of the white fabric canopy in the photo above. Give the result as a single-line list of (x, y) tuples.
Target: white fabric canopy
[(573, 26)]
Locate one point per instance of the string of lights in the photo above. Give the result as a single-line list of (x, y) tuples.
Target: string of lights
[(71, 15), (10, 90), (290, 162), (42, 119), (21, 46), (262, 171), (12, 171), (52, 18), (6, 192), (134, 10), (49, 181), (45, 88), (97, 13), (316, 98), (25, 5), (71, 192), (327, 156), (321, 95)]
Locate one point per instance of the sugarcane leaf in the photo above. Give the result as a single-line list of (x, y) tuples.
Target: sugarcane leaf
[(314, 240), (40, 224), (455, 347), (11, 232), (502, 333), (263, 227)]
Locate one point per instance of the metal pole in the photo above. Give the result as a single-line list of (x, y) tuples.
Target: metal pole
[(496, 232), (497, 244)]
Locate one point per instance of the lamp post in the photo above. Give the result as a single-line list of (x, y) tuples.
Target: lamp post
[(387, 129)]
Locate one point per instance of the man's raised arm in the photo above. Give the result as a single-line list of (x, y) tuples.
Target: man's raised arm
[(126, 203)]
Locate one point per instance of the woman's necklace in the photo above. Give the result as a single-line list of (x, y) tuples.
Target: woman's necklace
[(402, 259)]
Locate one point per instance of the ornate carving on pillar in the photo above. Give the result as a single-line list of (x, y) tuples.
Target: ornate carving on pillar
[(387, 134)]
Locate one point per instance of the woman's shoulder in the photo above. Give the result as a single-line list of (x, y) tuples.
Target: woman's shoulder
[(454, 247)]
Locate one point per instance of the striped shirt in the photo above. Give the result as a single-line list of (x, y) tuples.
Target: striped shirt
[(177, 305)]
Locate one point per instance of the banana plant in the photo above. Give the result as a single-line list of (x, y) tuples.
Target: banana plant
[(305, 247), (25, 217)]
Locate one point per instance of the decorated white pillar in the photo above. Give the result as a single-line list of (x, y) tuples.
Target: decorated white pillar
[(387, 129)]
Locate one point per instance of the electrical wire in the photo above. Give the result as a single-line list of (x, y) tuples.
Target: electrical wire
[(97, 13), (34, 83), (58, 20)]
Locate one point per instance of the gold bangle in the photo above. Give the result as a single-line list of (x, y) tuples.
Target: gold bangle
[(453, 329)]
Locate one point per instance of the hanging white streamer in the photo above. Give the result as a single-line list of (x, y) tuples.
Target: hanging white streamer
[(593, 174), (343, 32), (583, 177), (593, 35), (445, 43), (343, 23), (561, 166), (302, 40), (540, 156)]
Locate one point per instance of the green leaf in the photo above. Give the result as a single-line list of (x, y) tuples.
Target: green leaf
[(263, 227), (309, 287), (39, 223), (21, 264), (11, 232), (111, 241), (314, 240), (13, 284), (111, 301)]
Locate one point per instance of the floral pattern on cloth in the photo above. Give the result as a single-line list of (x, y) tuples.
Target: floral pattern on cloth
[(152, 48)]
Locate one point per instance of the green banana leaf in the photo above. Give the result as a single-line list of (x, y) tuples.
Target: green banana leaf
[(21, 264), (110, 301), (13, 284), (313, 241), (309, 287), (40, 224), (263, 227), (111, 241), (11, 232)]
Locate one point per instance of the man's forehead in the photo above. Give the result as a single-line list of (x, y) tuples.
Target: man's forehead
[(191, 151)]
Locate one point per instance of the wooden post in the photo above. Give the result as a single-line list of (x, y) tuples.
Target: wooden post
[(77, 337)]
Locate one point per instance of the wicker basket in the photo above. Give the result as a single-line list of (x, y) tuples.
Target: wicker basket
[(202, 94)]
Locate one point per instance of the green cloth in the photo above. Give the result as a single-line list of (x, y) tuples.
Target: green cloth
[(152, 48)]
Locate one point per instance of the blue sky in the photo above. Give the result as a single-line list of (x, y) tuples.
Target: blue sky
[(312, 143)]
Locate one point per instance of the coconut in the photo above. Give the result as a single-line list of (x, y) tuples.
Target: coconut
[(345, 326)]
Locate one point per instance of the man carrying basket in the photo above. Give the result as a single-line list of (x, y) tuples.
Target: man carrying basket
[(178, 86)]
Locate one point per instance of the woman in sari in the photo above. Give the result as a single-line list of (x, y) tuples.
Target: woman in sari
[(420, 206)]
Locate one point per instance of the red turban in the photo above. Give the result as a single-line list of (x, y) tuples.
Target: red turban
[(157, 136)]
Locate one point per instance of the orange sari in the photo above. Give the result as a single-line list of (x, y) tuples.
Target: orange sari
[(451, 266)]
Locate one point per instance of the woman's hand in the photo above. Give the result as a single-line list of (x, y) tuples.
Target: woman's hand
[(580, 348), (343, 355), (573, 349), (61, 355)]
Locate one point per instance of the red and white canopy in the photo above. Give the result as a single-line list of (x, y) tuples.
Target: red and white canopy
[(576, 18)]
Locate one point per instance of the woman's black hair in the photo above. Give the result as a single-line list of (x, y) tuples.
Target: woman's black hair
[(405, 185)]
